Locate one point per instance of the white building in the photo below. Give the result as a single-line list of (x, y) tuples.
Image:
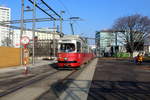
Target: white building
[(4, 16), (147, 45), (47, 34)]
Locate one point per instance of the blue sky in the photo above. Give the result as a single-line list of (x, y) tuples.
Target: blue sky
[(96, 14)]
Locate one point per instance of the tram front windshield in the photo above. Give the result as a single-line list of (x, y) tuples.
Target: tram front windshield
[(67, 47)]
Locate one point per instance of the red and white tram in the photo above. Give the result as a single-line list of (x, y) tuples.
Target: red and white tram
[(73, 51)]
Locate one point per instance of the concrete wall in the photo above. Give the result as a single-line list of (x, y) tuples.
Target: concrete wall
[(9, 57)]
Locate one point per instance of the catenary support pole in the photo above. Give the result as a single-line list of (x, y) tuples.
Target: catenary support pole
[(21, 31)]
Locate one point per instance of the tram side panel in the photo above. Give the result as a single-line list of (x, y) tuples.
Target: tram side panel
[(69, 59), (73, 59)]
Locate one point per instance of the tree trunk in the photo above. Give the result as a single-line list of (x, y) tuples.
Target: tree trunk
[(131, 54)]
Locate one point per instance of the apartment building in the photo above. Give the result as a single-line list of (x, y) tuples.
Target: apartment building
[(104, 42), (43, 35), (5, 15)]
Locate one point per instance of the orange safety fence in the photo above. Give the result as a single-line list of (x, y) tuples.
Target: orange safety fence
[(9, 57)]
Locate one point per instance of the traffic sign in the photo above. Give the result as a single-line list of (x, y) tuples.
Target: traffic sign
[(25, 40)]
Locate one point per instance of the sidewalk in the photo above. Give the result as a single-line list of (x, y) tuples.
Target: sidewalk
[(37, 63)]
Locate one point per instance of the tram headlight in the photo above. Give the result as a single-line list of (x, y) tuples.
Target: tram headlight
[(65, 58)]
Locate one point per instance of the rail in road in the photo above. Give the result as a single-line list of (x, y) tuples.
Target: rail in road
[(18, 84), (16, 80), (62, 85)]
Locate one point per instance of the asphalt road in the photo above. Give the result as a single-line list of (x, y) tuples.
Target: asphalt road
[(16, 85), (120, 80)]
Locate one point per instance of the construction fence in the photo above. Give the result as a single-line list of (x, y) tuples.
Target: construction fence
[(45, 45), (9, 57)]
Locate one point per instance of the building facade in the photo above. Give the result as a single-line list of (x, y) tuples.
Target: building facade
[(43, 35), (147, 45), (104, 42), (109, 43), (5, 15)]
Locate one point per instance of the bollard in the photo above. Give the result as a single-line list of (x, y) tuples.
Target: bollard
[(26, 68), (26, 60)]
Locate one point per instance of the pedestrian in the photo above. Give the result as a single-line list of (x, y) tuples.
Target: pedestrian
[(139, 59)]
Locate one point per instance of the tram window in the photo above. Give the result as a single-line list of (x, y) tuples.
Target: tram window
[(67, 47), (78, 47)]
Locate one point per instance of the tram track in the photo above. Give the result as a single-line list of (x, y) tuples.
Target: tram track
[(57, 79), (15, 78), (34, 80), (51, 93), (26, 83), (61, 85)]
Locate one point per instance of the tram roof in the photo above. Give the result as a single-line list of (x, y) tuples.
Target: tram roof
[(73, 37)]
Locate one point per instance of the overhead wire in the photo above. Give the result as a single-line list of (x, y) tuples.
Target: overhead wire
[(70, 15), (42, 9), (65, 7), (51, 9)]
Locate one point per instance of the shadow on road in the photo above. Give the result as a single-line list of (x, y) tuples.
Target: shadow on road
[(54, 65), (105, 90), (119, 90)]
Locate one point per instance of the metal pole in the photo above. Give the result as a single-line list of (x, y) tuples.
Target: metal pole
[(72, 28), (33, 31), (60, 25), (99, 44), (61, 21), (21, 31), (8, 38), (54, 45), (116, 44), (12, 38)]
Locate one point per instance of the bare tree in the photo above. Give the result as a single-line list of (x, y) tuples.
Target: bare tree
[(132, 30)]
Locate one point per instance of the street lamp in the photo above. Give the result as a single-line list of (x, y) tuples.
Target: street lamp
[(74, 18), (28, 9)]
